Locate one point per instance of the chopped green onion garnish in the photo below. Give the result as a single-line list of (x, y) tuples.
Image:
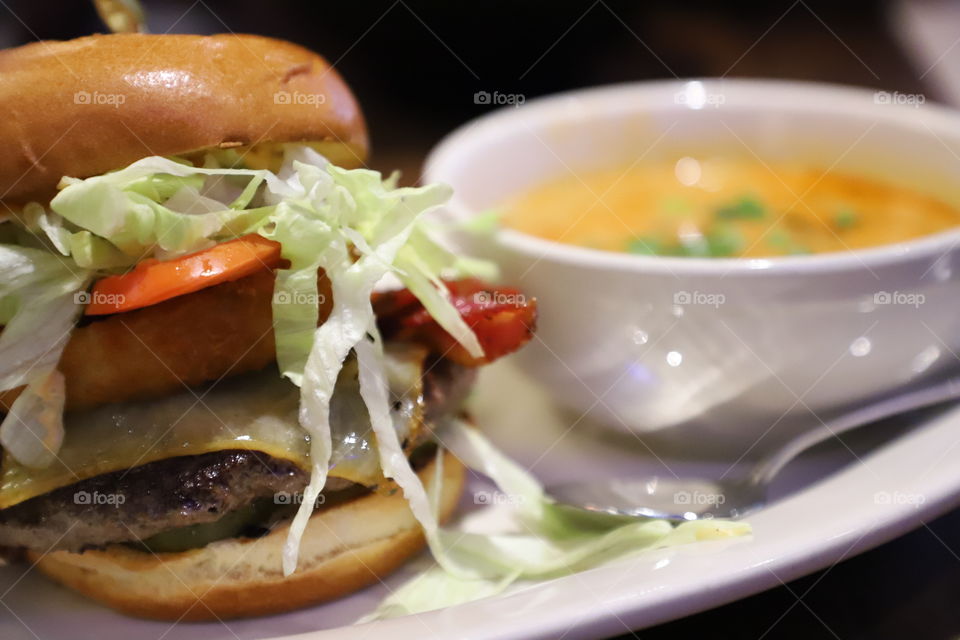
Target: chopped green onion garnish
[(845, 218), (746, 208), (725, 240), (783, 241)]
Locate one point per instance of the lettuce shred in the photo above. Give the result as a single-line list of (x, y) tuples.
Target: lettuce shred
[(38, 295), (548, 542)]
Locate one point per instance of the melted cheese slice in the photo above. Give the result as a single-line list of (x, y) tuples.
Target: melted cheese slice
[(256, 412)]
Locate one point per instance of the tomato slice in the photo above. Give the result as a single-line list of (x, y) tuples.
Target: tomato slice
[(502, 318), (153, 281)]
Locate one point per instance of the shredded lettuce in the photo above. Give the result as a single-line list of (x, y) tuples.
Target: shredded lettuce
[(417, 277), (43, 286), (393, 460), (156, 207), (33, 430), (428, 241), (38, 290), (323, 216), (548, 544)]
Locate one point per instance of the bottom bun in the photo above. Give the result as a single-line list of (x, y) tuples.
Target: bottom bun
[(344, 548)]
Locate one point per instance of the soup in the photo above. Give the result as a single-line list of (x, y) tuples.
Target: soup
[(725, 208)]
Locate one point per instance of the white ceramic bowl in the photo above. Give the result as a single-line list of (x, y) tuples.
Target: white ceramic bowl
[(646, 343)]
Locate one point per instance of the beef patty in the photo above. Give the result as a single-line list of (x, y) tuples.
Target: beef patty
[(135, 504)]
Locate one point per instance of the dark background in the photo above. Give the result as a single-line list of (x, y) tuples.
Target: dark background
[(415, 66)]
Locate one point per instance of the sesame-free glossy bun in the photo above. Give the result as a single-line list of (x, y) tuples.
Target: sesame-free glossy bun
[(87, 106), (344, 548)]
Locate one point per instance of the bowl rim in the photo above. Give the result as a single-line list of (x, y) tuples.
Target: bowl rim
[(785, 95)]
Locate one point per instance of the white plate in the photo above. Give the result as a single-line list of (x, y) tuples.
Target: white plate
[(874, 497)]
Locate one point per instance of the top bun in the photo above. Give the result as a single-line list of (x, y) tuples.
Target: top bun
[(87, 106)]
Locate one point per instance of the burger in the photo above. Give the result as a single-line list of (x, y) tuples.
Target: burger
[(228, 350)]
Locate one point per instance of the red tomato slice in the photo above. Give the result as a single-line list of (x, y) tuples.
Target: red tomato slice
[(153, 281), (502, 318)]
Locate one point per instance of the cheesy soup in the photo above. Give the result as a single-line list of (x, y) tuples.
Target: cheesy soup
[(725, 208)]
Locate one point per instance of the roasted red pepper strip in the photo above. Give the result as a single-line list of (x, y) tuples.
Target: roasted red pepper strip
[(502, 318)]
